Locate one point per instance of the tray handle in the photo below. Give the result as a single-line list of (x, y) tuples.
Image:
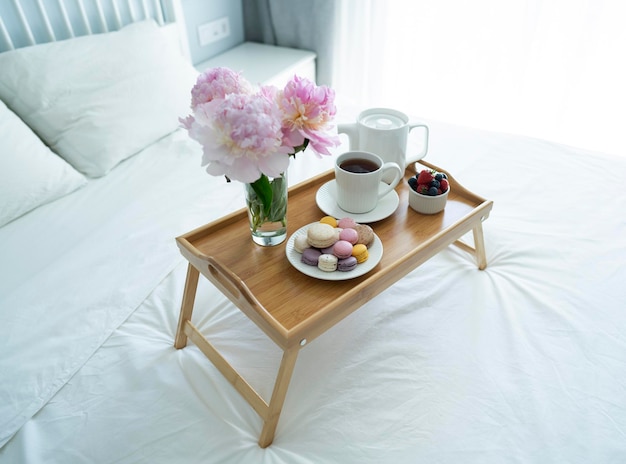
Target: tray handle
[(231, 285), (457, 187)]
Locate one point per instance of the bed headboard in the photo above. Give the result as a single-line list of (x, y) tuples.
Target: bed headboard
[(29, 22)]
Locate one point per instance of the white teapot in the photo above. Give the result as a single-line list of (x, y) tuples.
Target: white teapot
[(384, 132)]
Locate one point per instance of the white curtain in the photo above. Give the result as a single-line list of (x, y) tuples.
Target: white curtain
[(553, 69)]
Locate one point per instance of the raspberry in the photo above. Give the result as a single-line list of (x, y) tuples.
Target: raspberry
[(425, 177), (430, 182)]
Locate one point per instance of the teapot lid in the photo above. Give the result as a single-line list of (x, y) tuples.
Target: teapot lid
[(382, 121)]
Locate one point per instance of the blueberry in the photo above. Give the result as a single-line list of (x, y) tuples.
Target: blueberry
[(435, 183), (413, 183), (432, 191), (438, 176)]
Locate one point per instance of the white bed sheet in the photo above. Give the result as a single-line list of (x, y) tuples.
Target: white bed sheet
[(522, 362), (73, 270)]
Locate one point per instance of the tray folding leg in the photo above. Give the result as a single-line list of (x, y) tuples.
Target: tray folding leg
[(281, 385), (479, 246), (189, 297), (269, 412), (478, 250)]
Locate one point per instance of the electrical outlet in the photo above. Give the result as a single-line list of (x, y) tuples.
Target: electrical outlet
[(213, 31)]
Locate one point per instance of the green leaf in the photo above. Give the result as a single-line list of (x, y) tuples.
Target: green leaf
[(264, 192), (278, 209), (300, 148), (267, 200)]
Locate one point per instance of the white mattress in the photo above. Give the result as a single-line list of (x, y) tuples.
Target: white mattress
[(522, 362)]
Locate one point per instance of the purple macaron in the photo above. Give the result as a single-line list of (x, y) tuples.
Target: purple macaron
[(328, 250), (310, 256), (346, 264)]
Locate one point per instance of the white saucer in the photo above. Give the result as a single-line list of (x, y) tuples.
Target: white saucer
[(326, 201), (375, 251)]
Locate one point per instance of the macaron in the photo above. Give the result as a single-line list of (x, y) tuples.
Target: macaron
[(300, 243), (349, 235), (331, 221), (342, 249), (310, 256), (359, 251), (366, 234), (329, 250), (327, 263), (321, 235), (337, 232), (347, 264), (346, 223)]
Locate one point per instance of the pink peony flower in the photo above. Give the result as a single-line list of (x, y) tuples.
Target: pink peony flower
[(307, 112), (241, 136), (216, 83), (246, 135)]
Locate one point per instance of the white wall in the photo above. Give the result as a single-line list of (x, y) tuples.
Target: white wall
[(198, 12)]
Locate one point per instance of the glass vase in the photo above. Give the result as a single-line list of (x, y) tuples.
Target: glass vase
[(266, 201)]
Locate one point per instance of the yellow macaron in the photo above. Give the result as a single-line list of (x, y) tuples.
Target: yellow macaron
[(331, 221), (359, 251)]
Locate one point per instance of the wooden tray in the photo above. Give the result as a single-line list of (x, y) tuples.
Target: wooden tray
[(292, 308)]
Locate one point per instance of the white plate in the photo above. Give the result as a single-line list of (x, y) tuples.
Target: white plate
[(326, 200), (375, 254)]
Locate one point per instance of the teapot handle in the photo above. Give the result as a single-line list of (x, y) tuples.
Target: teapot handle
[(351, 130), (422, 154)]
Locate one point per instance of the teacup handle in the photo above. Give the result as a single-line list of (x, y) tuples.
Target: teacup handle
[(390, 166), (420, 155)]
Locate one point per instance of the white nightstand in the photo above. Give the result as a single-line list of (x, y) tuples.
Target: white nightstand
[(265, 64)]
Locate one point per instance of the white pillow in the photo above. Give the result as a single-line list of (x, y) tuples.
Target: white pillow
[(96, 100), (30, 174)]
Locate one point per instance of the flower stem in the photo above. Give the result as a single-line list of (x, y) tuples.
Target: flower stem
[(267, 201)]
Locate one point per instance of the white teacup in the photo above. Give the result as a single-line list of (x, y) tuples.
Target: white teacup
[(358, 175), (385, 132)]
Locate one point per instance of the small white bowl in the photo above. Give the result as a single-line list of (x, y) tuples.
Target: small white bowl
[(427, 204)]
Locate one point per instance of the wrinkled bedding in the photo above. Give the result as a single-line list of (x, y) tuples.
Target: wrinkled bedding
[(522, 362)]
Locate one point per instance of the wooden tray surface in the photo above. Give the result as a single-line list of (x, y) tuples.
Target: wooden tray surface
[(290, 306)]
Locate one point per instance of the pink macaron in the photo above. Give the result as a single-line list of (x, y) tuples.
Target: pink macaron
[(346, 223), (349, 235), (342, 249)]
